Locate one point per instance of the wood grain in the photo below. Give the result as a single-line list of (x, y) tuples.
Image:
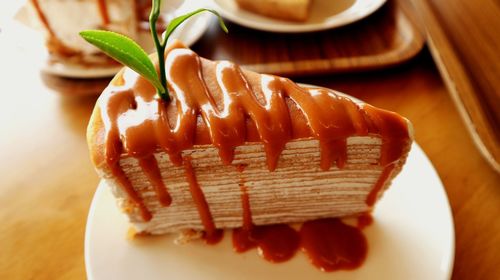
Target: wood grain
[(388, 37), (465, 43)]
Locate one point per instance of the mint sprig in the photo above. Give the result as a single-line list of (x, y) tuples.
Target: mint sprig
[(126, 51), (129, 53)]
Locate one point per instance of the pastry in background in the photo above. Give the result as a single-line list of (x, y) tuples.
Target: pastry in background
[(63, 20), (291, 10)]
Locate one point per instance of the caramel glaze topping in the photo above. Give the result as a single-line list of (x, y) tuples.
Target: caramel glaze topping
[(218, 103)]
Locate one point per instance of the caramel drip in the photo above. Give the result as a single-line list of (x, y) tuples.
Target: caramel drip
[(241, 237), (331, 117), (394, 132), (364, 220), (43, 18), (276, 243), (150, 167), (271, 120), (217, 103), (114, 149), (247, 213), (332, 245), (245, 202), (103, 10), (212, 235), (124, 182), (373, 195), (242, 240)]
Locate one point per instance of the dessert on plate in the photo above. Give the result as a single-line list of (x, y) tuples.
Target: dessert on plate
[(62, 20), (234, 148), (291, 10)]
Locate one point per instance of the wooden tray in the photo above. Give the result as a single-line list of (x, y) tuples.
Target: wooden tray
[(388, 37), (465, 42)]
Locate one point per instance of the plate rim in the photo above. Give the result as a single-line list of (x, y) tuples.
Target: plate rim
[(281, 26)]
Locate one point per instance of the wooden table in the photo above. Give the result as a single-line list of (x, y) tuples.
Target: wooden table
[(47, 181)]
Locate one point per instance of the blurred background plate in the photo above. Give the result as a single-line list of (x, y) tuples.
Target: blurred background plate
[(388, 37), (188, 33), (324, 14)]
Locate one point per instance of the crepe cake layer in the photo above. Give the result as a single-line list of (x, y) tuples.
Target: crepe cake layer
[(298, 190), (299, 187)]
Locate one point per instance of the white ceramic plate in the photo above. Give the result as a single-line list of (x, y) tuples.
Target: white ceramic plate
[(324, 14), (188, 33), (412, 237)]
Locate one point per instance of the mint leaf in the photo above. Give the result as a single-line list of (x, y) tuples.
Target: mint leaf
[(125, 51), (174, 23)]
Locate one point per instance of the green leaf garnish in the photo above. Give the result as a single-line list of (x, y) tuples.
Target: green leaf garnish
[(126, 51), (180, 19), (172, 25), (129, 53)]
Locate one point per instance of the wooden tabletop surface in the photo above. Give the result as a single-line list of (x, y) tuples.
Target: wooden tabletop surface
[(47, 181)]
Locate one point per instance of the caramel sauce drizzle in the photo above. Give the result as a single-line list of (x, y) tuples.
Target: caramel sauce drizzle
[(364, 220), (245, 200), (103, 11), (332, 245), (212, 235), (150, 167), (42, 18), (276, 243), (247, 213), (372, 196), (217, 103)]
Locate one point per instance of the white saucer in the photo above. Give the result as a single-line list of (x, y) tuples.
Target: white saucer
[(412, 237), (325, 14)]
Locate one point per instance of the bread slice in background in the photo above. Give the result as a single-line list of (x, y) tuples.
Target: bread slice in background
[(292, 10)]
